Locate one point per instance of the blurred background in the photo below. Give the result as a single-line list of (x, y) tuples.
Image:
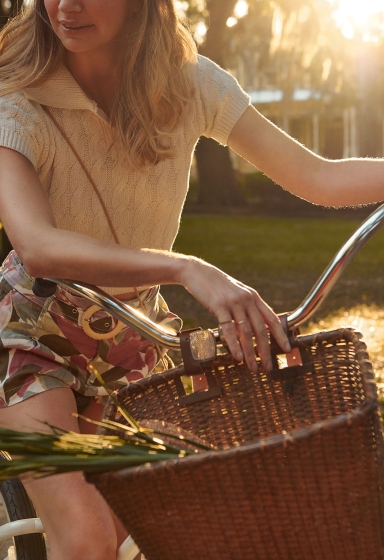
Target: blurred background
[(315, 69)]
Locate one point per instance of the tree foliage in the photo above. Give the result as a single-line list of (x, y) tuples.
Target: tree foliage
[(295, 42), (299, 34)]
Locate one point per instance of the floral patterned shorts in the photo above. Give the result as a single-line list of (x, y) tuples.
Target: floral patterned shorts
[(43, 344)]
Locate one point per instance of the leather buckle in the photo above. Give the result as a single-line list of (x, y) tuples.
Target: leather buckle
[(86, 321)]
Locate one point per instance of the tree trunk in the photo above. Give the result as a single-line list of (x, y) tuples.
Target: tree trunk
[(217, 178)]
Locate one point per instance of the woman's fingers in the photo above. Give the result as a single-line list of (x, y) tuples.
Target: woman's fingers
[(258, 329), (246, 333), (240, 335), (274, 324), (230, 334), (252, 320), (242, 314)]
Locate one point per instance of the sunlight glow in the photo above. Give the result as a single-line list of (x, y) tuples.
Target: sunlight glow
[(348, 30), (231, 21), (353, 16), (367, 319), (200, 32), (180, 6), (241, 9)]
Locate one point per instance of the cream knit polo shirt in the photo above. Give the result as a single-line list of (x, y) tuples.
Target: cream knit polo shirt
[(145, 207)]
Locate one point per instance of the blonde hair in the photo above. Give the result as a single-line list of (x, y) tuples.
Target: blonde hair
[(154, 88)]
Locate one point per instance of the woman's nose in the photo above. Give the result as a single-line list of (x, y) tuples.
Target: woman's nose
[(68, 6)]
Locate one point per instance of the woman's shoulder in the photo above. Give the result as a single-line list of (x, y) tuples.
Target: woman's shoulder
[(22, 118), (205, 70), (22, 127), (213, 84), (16, 104), (211, 81), (12, 98), (219, 100)]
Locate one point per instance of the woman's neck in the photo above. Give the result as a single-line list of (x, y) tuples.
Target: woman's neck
[(97, 76)]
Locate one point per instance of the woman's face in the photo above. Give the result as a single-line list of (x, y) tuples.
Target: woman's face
[(89, 25)]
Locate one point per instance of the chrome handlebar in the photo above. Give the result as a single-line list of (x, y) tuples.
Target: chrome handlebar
[(336, 267), (306, 309), (127, 315)]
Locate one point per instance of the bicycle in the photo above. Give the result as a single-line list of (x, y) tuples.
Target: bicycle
[(22, 535)]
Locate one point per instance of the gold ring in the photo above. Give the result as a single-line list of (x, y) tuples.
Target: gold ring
[(242, 322), (86, 325), (225, 322), (221, 336)]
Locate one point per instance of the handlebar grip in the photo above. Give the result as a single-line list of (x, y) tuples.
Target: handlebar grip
[(43, 288)]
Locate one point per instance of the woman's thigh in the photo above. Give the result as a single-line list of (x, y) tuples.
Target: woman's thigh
[(76, 518), (55, 406)]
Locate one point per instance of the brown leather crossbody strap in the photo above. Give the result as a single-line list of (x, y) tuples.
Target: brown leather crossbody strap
[(102, 204), (106, 213)]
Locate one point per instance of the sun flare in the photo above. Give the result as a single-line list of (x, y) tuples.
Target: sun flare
[(355, 16)]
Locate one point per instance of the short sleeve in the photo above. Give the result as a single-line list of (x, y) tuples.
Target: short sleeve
[(22, 128), (220, 100)]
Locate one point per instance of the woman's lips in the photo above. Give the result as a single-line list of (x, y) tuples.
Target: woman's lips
[(73, 27)]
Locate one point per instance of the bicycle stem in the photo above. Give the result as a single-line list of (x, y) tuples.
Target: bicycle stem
[(302, 313)]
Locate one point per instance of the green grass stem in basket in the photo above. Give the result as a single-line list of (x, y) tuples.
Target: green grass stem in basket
[(44, 454)]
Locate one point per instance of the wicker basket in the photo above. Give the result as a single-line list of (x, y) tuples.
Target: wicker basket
[(299, 470)]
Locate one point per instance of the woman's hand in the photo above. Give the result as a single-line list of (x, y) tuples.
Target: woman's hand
[(240, 311)]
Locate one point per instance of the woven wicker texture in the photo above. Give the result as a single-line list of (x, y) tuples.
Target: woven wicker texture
[(298, 474)]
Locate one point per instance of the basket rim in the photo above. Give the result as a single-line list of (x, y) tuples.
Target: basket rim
[(283, 439)]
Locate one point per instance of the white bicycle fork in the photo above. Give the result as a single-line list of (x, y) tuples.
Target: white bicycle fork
[(127, 551)]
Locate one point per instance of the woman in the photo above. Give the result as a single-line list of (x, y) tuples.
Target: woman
[(102, 103)]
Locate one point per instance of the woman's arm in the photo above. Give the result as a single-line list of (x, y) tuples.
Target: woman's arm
[(300, 171), (47, 251)]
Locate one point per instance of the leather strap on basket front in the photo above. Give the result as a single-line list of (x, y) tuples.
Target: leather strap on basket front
[(275, 348)]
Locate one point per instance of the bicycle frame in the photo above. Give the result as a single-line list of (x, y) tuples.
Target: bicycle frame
[(152, 332)]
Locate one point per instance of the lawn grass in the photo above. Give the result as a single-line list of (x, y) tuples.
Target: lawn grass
[(281, 258), (244, 244)]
